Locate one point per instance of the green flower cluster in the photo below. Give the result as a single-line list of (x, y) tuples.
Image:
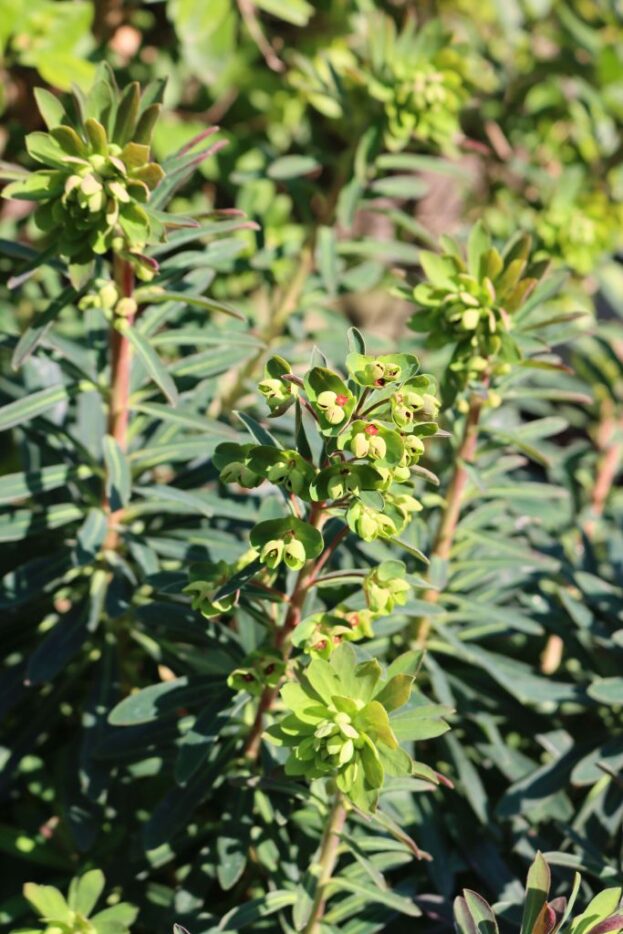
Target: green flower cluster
[(470, 302), (581, 224), (385, 587), (290, 541), (206, 580), (320, 634), (261, 669), (278, 392), (340, 725), (425, 81), (372, 429), (73, 915), (575, 219), (96, 180)]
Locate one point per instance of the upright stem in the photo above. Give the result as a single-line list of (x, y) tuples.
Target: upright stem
[(283, 639), (327, 859), (446, 532), (608, 464), (120, 373), (120, 362)]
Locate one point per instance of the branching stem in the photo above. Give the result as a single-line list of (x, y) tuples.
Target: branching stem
[(327, 860)]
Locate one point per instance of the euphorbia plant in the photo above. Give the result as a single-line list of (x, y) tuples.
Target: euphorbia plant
[(484, 306), (348, 473)]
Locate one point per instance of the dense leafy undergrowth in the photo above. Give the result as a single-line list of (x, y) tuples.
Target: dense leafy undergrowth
[(312, 431)]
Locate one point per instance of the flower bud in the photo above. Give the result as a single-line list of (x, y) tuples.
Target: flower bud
[(294, 554), (360, 445), (272, 553), (332, 406), (126, 307), (243, 679)]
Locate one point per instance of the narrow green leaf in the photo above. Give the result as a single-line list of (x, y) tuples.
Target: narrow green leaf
[(398, 902), (118, 478), (16, 486), (164, 700), (23, 523), (257, 908), (151, 361), (326, 258), (31, 337), (537, 891), (607, 690), (91, 536), (288, 167), (153, 296), (23, 410)]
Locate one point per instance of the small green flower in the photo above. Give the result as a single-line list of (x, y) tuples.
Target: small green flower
[(369, 443), (332, 405), (278, 392), (104, 295), (385, 587), (294, 554), (413, 449), (245, 679), (272, 553), (320, 634), (343, 480), (261, 669), (330, 398), (410, 406), (406, 504), (379, 372), (287, 540), (233, 462), (283, 468), (206, 580), (368, 523), (424, 80), (374, 441)]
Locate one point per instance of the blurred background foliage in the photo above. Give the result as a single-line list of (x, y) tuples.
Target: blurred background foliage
[(357, 132)]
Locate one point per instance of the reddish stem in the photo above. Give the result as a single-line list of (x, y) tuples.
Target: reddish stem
[(120, 362), (120, 373), (608, 465), (446, 532)]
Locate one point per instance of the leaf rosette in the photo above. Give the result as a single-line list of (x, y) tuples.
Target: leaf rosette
[(340, 727), (93, 189)]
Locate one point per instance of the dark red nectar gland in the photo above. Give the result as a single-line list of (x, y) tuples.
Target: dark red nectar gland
[(371, 430), (341, 400)]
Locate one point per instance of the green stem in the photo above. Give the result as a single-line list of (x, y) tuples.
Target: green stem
[(326, 863)]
